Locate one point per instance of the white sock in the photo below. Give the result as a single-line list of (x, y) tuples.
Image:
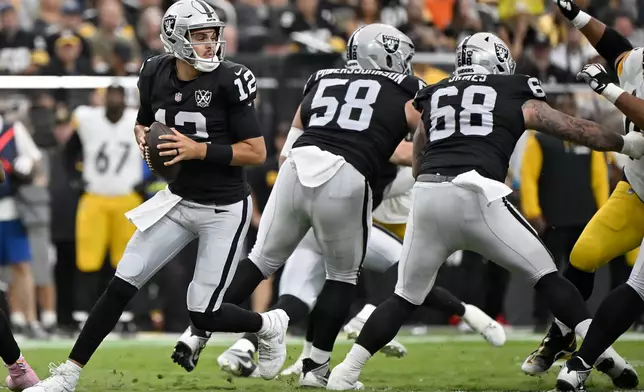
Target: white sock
[(318, 356), (48, 318), (357, 357), (18, 319), (563, 328), (306, 349), (365, 313), (74, 367), (266, 325), (244, 345), (582, 328)]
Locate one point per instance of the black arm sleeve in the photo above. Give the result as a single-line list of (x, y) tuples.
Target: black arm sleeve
[(611, 45), (243, 122), (145, 115)]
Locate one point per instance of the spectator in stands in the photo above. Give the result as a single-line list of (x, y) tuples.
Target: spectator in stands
[(71, 22), (311, 28), (625, 25), (111, 31), (562, 186), (537, 63), (254, 35), (425, 37), (147, 30), (367, 12), (573, 53), (20, 158), (20, 51), (50, 18), (67, 58)]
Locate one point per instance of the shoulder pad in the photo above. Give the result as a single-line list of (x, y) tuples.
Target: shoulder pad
[(631, 64), (422, 96), (310, 83), (528, 87), (412, 84), (151, 65), (239, 82)]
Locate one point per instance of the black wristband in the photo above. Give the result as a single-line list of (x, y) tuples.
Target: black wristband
[(219, 153)]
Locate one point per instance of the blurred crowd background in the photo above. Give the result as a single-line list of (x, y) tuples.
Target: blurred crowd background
[(283, 42)]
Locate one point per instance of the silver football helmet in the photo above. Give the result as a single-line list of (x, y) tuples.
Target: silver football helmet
[(484, 53), (184, 17), (380, 46)]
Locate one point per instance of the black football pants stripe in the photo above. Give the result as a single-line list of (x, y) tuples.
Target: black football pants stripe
[(365, 224), (229, 259), (525, 224)]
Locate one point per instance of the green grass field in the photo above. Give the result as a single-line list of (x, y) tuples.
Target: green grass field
[(434, 363)]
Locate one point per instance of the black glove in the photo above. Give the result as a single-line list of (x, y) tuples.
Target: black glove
[(568, 8), (596, 76)]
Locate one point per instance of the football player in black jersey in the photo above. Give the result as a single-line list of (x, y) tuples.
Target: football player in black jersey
[(209, 101), (349, 122), (470, 125)]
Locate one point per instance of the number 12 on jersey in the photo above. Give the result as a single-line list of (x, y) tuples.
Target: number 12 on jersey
[(359, 107)]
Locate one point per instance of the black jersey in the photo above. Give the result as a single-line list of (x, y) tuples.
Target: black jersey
[(201, 109), (357, 114), (473, 122)]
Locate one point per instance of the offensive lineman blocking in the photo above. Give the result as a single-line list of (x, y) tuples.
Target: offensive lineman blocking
[(461, 154)]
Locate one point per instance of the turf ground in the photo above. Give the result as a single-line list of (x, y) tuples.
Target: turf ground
[(439, 361)]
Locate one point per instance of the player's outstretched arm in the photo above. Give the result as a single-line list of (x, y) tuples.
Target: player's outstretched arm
[(609, 43), (540, 116), (600, 81)]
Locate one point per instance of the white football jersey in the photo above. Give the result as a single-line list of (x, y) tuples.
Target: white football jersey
[(396, 201), (631, 79), (112, 163)]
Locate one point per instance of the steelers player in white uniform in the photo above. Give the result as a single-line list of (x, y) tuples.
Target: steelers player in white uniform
[(112, 167), (618, 226)]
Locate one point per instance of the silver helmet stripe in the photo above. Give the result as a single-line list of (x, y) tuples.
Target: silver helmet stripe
[(350, 45), (464, 50)]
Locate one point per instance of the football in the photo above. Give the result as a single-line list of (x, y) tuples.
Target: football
[(153, 159)]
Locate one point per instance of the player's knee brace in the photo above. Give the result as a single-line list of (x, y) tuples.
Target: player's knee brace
[(131, 269)]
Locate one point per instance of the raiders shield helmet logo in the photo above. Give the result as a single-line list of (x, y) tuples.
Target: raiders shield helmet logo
[(502, 52), (391, 43), (168, 24)]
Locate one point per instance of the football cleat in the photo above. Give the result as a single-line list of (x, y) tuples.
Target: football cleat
[(271, 353), (313, 374), (573, 375), (553, 347), (64, 378), (621, 372), (392, 349), (21, 376), (188, 349), (343, 378), (480, 322), (239, 363), (295, 369)]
